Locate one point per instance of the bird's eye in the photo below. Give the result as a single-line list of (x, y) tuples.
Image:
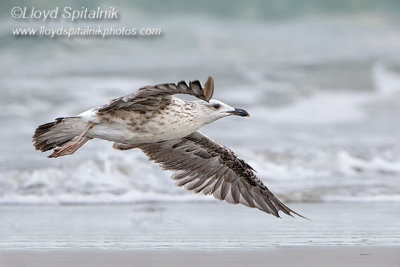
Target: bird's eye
[(216, 106)]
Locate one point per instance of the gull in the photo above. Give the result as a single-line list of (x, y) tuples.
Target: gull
[(166, 128)]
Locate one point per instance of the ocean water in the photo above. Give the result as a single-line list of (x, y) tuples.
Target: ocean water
[(321, 82)]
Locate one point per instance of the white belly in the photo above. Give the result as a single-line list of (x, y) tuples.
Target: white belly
[(122, 134), (135, 128)]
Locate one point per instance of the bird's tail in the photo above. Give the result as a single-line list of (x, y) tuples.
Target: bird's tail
[(55, 134)]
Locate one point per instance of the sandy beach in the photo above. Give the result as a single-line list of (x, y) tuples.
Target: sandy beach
[(287, 256), (199, 234), (196, 226)]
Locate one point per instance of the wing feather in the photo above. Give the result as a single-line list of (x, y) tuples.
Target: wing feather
[(154, 97), (202, 165)]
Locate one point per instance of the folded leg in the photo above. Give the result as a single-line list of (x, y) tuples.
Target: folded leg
[(73, 145)]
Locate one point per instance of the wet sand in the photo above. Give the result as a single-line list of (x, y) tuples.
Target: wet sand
[(196, 226), (288, 256), (199, 234)]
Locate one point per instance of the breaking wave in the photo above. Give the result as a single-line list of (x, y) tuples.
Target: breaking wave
[(129, 177)]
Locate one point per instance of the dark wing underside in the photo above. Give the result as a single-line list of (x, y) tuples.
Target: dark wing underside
[(203, 165), (154, 97)]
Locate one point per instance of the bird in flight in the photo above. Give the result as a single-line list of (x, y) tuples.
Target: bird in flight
[(166, 128)]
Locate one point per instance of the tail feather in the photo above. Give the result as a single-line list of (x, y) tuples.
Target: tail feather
[(54, 134)]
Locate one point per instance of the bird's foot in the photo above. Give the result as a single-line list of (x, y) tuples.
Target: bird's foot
[(70, 147), (73, 145)]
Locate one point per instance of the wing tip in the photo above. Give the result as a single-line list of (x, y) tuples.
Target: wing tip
[(209, 88), (291, 213)]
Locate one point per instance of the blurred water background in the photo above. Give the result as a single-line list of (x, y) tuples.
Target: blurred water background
[(321, 80)]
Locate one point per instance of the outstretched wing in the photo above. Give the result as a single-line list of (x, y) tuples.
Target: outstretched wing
[(152, 96), (203, 165)]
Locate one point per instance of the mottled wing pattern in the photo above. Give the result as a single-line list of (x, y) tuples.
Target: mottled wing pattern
[(203, 165), (149, 97)]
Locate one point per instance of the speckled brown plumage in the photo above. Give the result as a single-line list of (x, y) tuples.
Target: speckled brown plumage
[(159, 96)]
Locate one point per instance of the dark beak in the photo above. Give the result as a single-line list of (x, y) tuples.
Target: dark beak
[(239, 112)]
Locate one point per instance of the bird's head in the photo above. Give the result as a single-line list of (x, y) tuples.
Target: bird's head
[(215, 109)]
